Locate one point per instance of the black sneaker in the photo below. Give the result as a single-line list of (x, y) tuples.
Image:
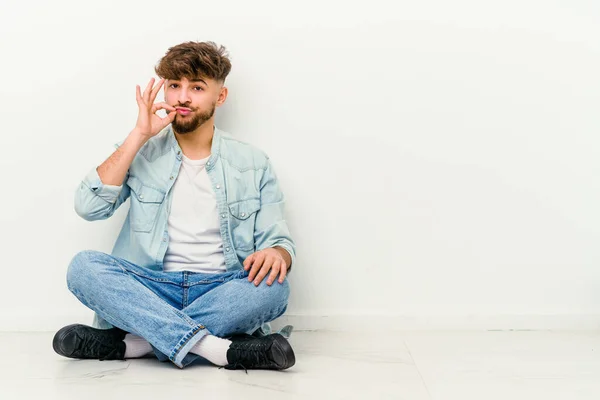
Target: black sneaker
[(267, 352), (82, 341), (240, 336)]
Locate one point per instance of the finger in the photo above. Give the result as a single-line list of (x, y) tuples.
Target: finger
[(274, 272), (162, 106), (248, 261), (146, 95), (283, 274), (263, 272), (156, 90), (256, 265), (138, 95), (169, 118)]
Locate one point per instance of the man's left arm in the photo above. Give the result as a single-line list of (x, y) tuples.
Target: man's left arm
[(276, 250)]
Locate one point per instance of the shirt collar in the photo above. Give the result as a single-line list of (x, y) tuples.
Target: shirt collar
[(214, 149)]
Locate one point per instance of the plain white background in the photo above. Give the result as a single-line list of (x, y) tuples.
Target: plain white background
[(439, 159)]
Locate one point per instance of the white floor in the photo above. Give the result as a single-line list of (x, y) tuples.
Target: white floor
[(329, 365)]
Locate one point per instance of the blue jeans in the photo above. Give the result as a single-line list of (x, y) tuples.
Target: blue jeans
[(173, 310)]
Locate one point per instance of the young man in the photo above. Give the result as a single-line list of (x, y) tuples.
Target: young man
[(200, 263)]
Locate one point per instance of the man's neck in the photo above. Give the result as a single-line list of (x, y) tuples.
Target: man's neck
[(197, 144)]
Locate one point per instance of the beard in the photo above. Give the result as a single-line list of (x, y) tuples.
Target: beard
[(189, 123)]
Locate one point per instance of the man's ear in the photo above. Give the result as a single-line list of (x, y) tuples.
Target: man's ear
[(222, 96)]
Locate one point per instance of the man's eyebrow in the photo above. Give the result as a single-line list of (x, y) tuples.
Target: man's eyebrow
[(191, 80)]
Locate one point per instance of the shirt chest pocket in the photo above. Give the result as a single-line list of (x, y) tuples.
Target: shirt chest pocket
[(145, 205), (243, 215)]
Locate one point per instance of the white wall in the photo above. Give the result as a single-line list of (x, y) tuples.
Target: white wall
[(440, 159)]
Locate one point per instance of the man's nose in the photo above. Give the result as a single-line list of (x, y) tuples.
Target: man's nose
[(184, 97)]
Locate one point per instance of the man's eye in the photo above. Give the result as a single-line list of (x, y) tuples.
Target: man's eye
[(173, 84), (199, 87)]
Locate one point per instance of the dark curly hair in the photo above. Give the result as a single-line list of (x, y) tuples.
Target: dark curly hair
[(195, 60)]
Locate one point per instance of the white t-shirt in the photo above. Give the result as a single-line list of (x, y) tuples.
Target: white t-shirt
[(195, 242)]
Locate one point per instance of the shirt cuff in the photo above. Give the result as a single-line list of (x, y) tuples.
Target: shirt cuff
[(292, 254)]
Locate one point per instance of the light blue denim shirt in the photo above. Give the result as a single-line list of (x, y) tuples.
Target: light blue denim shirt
[(249, 201)]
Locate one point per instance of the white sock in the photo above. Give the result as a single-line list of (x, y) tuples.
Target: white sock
[(213, 348), (136, 346)]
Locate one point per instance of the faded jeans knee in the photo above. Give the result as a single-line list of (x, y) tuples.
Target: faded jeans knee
[(83, 264)]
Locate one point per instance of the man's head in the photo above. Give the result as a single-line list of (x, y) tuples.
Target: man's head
[(195, 75)]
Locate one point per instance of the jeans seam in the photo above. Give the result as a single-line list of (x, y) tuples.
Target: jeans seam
[(185, 317), (164, 280)]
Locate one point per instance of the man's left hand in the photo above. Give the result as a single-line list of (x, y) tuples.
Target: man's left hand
[(263, 261)]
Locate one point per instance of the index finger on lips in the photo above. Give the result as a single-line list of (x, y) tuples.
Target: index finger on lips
[(162, 106)]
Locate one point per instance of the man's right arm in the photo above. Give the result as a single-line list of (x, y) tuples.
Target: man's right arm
[(103, 189)]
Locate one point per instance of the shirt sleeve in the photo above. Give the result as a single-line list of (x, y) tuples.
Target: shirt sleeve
[(271, 228), (95, 200)]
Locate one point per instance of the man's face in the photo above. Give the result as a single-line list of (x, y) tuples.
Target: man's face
[(195, 101)]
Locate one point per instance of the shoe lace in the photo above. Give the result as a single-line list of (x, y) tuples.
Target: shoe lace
[(234, 366), (249, 354), (95, 346)]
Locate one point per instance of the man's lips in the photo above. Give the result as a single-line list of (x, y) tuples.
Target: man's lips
[(183, 110)]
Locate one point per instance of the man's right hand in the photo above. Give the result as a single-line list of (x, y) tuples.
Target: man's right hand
[(148, 123)]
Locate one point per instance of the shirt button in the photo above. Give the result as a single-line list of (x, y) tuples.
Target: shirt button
[(243, 214), (222, 215), (141, 196), (171, 177), (227, 249), (218, 186)]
